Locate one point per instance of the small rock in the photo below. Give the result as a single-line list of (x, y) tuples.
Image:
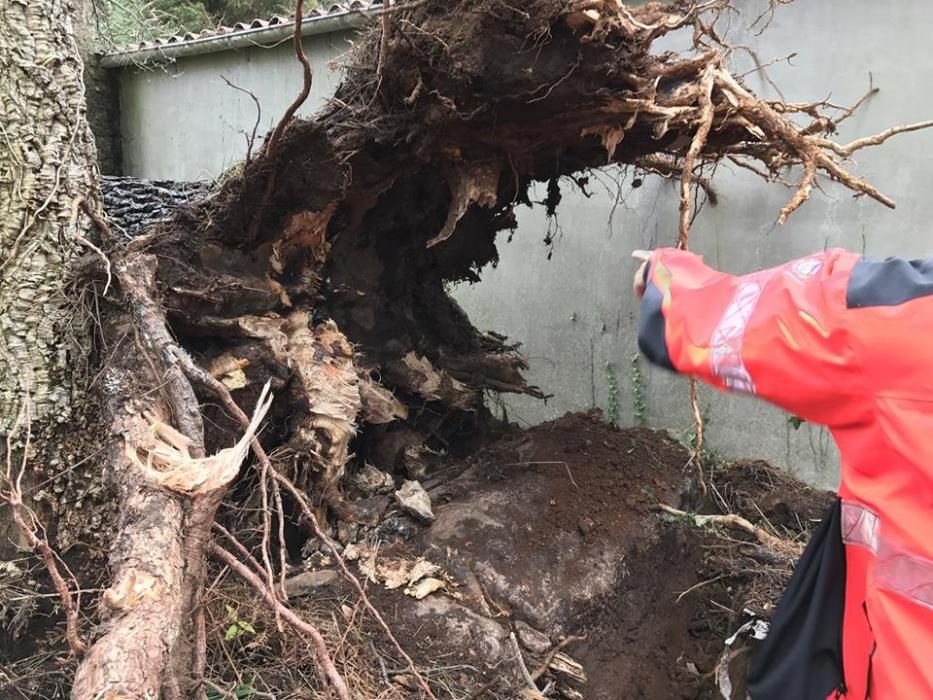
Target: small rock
[(369, 511), (370, 481), (586, 525), (415, 501), (317, 560), (412, 457), (310, 550), (397, 526), (533, 640), (309, 581)]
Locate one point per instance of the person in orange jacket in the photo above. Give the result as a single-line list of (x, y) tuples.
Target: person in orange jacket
[(844, 342)]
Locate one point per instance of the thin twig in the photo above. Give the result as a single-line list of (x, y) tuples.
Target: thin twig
[(251, 139), (520, 660), (699, 585)]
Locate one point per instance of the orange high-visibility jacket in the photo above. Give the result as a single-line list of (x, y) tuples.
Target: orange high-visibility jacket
[(844, 342)]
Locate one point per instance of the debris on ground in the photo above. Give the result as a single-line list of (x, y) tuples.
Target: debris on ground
[(638, 602)]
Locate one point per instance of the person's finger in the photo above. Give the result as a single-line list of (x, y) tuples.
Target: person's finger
[(638, 283), (643, 255)]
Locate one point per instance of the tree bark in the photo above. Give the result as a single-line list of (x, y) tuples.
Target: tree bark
[(47, 165)]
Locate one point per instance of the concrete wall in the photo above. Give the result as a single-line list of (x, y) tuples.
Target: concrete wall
[(574, 312), (183, 122)]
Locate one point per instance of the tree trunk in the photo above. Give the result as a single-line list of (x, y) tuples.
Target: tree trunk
[(46, 169)]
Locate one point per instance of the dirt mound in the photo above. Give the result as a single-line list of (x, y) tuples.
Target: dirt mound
[(552, 535)]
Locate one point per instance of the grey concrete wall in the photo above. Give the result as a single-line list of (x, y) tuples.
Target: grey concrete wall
[(575, 313), (183, 122)]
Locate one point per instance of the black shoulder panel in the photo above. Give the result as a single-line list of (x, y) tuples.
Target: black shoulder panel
[(889, 282), (651, 340)]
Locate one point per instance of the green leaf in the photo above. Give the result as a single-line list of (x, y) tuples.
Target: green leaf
[(246, 627), (241, 692), (233, 631), (244, 692)]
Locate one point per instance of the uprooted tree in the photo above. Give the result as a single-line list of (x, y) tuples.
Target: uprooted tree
[(317, 276)]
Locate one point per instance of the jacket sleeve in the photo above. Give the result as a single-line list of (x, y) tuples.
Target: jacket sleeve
[(780, 334)]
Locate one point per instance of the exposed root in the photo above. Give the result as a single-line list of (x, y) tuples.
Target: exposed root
[(317, 641), (309, 516), (696, 146), (11, 493), (778, 545), (669, 168), (803, 190), (696, 459), (847, 150)]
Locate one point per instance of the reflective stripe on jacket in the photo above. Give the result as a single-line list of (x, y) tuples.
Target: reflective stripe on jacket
[(847, 343)]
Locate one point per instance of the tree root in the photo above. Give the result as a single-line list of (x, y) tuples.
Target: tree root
[(267, 467), (776, 544), (317, 641), (11, 493)]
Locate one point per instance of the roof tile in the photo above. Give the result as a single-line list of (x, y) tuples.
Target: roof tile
[(259, 24)]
